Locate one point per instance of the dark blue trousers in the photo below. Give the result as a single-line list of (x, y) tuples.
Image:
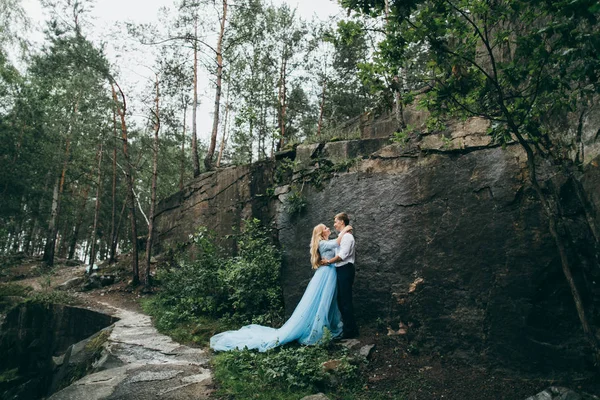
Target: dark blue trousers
[(345, 280)]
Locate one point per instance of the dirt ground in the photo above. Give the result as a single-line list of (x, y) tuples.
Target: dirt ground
[(396, 370), (120, 294), (399, 371)]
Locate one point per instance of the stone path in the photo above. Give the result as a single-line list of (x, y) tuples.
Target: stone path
[(140, 363)]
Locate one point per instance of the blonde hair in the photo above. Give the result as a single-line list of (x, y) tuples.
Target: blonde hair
[(317, 236)]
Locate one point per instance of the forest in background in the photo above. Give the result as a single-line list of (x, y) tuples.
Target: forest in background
[(82, 171), (81, 174)]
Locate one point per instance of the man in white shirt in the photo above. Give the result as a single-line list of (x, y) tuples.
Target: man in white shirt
[(344, 262)]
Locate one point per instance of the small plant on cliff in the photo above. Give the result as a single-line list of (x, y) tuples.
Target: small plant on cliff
[(54, 297), (295, 203), (284, 170), (404, 135), (326, 169)]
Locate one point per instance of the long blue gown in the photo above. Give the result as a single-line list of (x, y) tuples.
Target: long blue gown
[(316, 310)]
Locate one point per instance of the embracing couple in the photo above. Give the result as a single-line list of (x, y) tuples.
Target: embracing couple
[(326, 302)]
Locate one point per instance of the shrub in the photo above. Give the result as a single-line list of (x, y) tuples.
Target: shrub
[(54, 297), (191, 286), (252, 278), (203, 283)]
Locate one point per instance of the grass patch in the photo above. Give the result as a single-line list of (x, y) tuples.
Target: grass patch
[(333, 134), (195, 330), (12, 289), (96, 344), (54, 297), (288, 372), (9, 375), (9, 291)]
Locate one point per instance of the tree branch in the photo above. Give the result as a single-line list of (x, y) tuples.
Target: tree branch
[(173, 38), (137, 198)]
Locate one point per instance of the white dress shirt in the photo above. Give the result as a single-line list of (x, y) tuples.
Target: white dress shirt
[(346, 250)]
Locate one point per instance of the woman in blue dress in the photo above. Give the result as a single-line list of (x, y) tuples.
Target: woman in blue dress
[(316, 310)]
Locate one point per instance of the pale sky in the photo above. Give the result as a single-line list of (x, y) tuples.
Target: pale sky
[(134, 67)]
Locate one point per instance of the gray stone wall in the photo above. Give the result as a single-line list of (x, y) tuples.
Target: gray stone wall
[(451, 240), (220, 200)]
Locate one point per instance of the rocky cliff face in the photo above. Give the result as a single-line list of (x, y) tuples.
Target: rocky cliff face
[(32, 334), (451, 240), (218, 200)]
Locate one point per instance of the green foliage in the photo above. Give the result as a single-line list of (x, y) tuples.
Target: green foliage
[(349, 93), (520, 64), (402, 137), (295, 203), (288, 372), (9, 375), (326, 170), (96, 344), (195, 330), (252, 277), (13, 289), (204, 291), (447, 142), (334, 133), (284, 170), (10, 290), (54, 297), (191, 287), (45, 296)]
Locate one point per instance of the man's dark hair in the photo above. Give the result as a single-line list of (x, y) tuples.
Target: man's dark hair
[(344, 218)]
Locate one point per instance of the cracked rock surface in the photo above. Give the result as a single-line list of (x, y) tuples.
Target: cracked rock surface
[(140, 363)]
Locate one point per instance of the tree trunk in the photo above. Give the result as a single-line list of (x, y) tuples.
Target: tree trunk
[(208, 160), (224, 135), (153, 192), (130, 192), (85, 251), (320, 124), (263, 123), (97, 209), (75, 236), (398, 105), (553, 217), (58, 190), (50, 246), (30, 248), (195, 158), (282, 101), (116, 241), (27, 248), (113, 232), (62, 240), (51, 237), (16, 244), (182, 168)]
